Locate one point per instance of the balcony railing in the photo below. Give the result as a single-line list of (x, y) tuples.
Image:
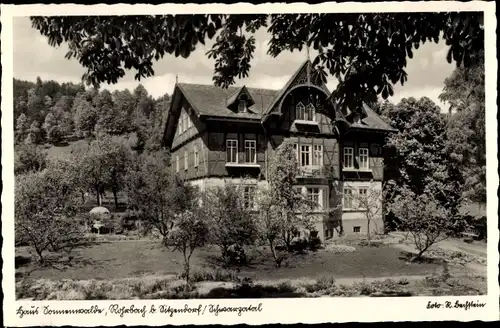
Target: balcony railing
[(314, 171)]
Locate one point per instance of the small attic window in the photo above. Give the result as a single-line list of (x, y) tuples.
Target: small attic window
[(242, 106)]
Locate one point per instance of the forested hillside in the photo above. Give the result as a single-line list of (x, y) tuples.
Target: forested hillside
[(47, 112)]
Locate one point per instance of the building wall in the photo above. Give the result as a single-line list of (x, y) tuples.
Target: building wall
[(354, 217), (216, 144), (374, 144), (198, 127), (192, 172)]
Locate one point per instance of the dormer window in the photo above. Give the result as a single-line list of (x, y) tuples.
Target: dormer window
[(305, 113), (242, 106)]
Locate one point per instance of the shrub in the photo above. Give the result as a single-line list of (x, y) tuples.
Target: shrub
[(340, 248), (314, 243), (211, 275), (324, 284)]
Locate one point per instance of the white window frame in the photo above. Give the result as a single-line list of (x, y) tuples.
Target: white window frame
[(315, 192), (177, 164), (354, 228), (348, 152), (310, 113), (251, 145), (196, 156), (300, 111), (234, 150), (249, 192), (365, 154), (186, 160), (317, 157), (308, 157), (351, 200), (362, 191), (296, 149)]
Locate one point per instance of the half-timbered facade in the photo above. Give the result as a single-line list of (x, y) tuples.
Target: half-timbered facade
[(222, 135)]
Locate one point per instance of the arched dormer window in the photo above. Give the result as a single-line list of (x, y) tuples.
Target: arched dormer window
[(300, 111), (310, 113)]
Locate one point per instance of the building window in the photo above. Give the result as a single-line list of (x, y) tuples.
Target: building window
[(186, 160), (314, 196), (300, 111), (305, 113), (363, 159), (196, 157), (232, 151), (249, 197), (296, 149), (305, 154), (310, 113), (251, 151), (356, 229), (242, 106), (177, 163), (318, 155), (347, 198), (363, 200), (348, 158)]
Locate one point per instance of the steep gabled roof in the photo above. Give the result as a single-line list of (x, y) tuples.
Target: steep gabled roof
[(373, 121), (209, 100), (230, 101), (284, 90)]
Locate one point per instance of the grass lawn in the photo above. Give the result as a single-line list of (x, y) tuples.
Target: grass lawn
[(131, 258)]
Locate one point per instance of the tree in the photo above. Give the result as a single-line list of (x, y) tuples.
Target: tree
[(426, 218), (108, 118), (51, 128), (153, 190), (35, 104), (269, 224), (231, 224), (85, 116), (125, 106), (291, 205), (425, 170), (118, 157), (189, 233), (34, 134), (351, 47), (44, 206), (464, 91), (93, 168), (29, 158), (370, 203), (21, 128)]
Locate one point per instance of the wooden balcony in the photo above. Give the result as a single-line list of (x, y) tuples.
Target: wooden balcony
[(321, 172)]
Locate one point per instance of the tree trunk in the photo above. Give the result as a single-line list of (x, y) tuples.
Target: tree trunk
[(369, 237), (115, 196), (98, 195)]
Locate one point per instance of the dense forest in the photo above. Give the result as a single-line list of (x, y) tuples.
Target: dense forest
[(47, 112)]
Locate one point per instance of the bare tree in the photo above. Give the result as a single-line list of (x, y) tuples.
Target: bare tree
[(189, 233)]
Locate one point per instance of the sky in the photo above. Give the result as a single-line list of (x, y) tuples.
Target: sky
[(33, 57)]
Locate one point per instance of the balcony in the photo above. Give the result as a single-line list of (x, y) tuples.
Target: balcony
[(243, 165), (314, 172)]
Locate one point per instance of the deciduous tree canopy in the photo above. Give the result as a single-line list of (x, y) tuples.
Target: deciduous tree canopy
[(367, 53)]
